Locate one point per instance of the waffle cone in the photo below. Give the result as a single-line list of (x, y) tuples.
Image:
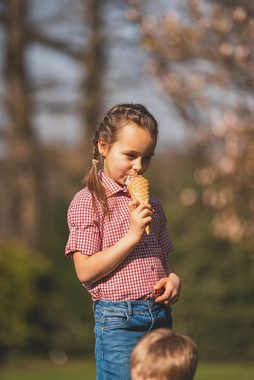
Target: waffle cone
[(138, 187)]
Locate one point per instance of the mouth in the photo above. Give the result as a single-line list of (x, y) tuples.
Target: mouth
[(132, 173)]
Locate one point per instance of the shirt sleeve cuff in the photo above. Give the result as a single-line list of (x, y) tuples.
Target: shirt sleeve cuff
[(86, 241)]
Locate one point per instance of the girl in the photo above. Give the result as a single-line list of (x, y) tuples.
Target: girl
[(130, 279)]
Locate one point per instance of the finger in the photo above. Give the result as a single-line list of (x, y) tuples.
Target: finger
[(144, 206), (160, 284), (167, 301), (145, 213), (169, 292), (174, 296), (149, 206), (147, 220), (161, 298), (164, 297), (133, 205)]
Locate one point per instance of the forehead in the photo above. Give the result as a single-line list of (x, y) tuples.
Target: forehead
[(132, 137)]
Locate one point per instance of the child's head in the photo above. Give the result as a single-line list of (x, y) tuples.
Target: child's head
[(164, 355), (124, 141)]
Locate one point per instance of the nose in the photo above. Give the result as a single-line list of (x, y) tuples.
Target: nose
[(137, 164)]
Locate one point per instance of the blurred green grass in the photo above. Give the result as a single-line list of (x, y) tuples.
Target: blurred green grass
[(220, 371), (45, 370), (85, 370)]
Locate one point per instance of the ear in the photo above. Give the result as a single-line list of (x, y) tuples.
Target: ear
[(103, 147)]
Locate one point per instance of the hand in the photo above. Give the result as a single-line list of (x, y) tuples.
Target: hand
[(172, 289), (140, 217)]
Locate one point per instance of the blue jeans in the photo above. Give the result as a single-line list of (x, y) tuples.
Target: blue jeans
[(118, 327)]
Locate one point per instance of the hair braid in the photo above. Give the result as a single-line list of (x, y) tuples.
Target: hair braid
[(92, 180)]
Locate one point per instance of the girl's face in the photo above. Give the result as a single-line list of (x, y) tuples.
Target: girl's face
[(133, 150)]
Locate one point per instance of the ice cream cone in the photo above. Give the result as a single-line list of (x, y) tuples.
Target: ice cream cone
[(138, 187)]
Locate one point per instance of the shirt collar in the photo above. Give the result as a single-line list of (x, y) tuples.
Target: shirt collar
[(111, 186)]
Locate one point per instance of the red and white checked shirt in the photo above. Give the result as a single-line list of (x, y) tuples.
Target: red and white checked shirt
[(91, 232)]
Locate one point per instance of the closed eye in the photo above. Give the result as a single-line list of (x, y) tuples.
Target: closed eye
[(133, 156), (130, 155)]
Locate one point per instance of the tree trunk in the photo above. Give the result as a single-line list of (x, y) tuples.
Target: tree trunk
[(94, 67), (24, 163)]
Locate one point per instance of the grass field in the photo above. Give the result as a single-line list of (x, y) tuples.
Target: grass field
[(86, 371)]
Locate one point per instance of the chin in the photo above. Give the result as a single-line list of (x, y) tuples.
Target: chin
[(121, 181)]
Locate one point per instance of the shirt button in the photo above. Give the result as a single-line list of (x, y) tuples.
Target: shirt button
[(152, 267), (73, 225)]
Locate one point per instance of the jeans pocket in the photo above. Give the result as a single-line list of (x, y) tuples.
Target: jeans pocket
[(113, 321)]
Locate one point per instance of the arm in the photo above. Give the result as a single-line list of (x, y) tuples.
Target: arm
[(92, 268)]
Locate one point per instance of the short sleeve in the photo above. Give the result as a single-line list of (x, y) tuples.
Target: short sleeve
[(84, 233)]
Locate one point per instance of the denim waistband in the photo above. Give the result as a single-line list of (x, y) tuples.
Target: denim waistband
[(130, 307)]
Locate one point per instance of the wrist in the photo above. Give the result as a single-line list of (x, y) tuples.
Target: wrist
[(132, 238)]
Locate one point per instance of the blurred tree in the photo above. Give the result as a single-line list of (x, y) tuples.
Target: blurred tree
[(94, 66), (23, 165), (36, 176), (28, 178), (216, 306), (204, 60), (21, 272), (87, 49)]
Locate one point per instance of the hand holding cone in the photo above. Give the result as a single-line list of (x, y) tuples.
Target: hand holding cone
[(138, 187)]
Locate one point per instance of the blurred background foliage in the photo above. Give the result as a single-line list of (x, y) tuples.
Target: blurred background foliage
[(201, 55)]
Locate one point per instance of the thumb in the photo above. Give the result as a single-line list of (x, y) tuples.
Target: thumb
[(160, 284)]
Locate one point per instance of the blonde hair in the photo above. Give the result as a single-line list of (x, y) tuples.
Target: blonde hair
[(115, 119), (165, 355)]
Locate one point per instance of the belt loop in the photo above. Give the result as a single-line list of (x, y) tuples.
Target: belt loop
[(129, 308)]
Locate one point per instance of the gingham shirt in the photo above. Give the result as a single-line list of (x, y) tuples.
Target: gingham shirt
[(91, 232)]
